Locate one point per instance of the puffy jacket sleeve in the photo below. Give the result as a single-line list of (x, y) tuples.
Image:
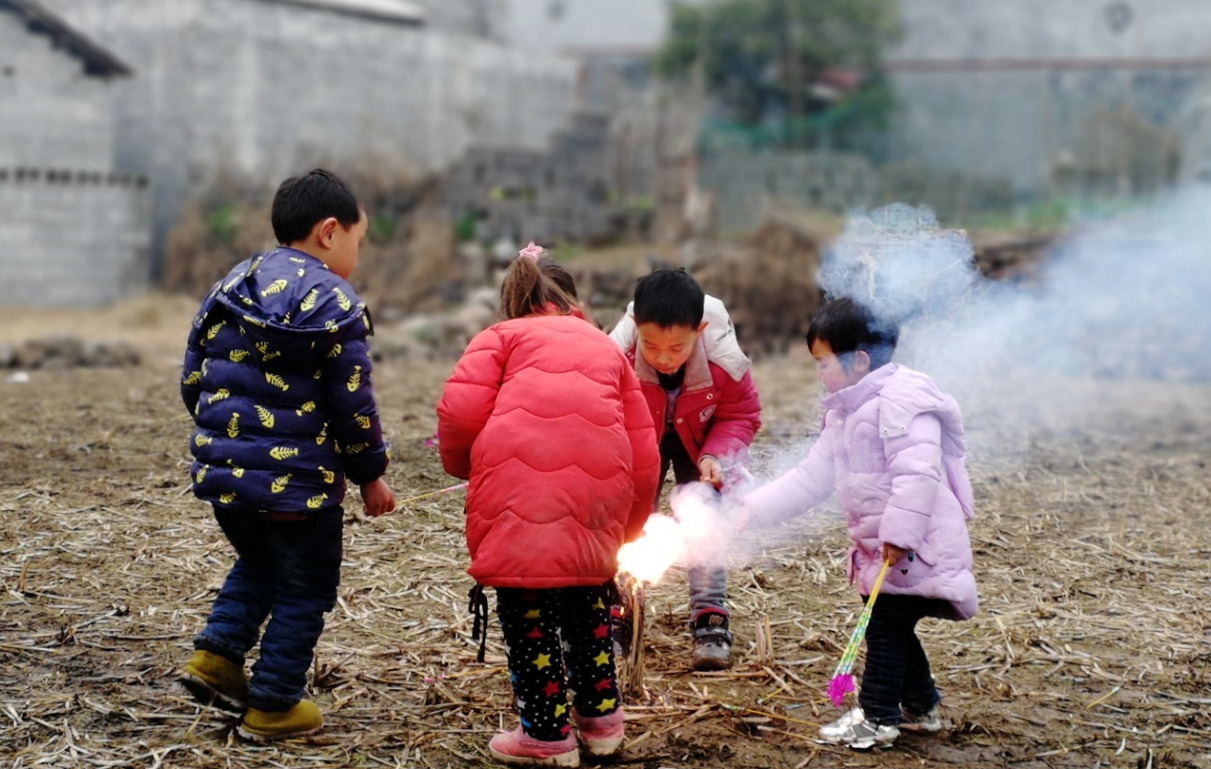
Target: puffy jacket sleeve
[(645, 454), (468, 399), (736, 420), (191, 369), (352, 413), (914, 462), (799, 489)]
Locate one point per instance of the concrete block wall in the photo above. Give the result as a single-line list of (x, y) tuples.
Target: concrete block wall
[(71, 238), (51, 113), (269, 89)]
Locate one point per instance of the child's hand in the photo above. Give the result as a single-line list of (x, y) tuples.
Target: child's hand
[(711, 470), (741, 519), (377, 498), (893, 554)]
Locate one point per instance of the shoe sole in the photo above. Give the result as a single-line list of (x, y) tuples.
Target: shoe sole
[(602, 748), (205, 694), (923, 728), (571, 758), (251, 736)]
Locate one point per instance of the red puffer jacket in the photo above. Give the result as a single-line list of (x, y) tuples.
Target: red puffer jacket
[(544, 415)]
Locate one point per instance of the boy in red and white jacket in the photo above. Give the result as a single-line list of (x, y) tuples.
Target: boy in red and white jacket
[(706, 411)]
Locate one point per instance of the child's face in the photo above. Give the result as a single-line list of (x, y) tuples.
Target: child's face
[(342, 245), (833, 373), (667, 349)]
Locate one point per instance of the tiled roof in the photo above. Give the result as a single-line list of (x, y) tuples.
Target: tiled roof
[(97, 60)]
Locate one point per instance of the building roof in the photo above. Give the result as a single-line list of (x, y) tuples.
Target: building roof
[(397, 11), (97, 60)]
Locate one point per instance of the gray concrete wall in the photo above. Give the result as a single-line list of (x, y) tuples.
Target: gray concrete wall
[(51, 113), (268, 89), (74, 240)]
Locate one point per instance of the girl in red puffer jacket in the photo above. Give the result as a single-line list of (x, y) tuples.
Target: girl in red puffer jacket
[(545, 417)]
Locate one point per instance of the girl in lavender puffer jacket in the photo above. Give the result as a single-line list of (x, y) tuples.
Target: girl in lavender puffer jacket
[(892, 448)]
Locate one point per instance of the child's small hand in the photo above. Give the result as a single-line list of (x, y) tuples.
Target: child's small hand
[(741, 519), (711, 471), (377, 498), (893, 554)]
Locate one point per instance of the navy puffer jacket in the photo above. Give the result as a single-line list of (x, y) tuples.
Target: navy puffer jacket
[(277, 376)]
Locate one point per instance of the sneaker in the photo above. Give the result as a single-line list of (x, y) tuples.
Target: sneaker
[(264, 725), (854, 731), (601, 736), (929, 721), (712, 642), (516, 748), (216, 680)]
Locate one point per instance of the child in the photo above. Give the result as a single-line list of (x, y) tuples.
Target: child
[(892, 447), (277, 378), (544, 416), (706, 412)]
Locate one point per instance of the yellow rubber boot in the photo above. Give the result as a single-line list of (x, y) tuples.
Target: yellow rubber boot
[(216, 680), (263, 725)]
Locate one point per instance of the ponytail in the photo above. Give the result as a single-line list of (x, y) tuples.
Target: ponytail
[(527, 291)]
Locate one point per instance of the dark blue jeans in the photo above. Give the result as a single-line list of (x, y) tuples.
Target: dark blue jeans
[(897, 670), (288, 571)]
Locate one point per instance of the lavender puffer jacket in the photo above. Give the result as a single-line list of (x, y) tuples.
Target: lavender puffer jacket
[(892, 448)]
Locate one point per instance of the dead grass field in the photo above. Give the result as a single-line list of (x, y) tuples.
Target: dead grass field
[(1092, 548)]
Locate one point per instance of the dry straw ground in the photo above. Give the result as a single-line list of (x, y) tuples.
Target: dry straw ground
[(1092, 544)]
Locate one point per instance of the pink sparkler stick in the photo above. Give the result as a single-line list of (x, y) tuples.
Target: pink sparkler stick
[(842, 682)]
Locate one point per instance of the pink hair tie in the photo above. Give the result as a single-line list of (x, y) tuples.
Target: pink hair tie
[(531, 252)]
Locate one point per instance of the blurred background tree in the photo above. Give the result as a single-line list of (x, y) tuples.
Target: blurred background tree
[(792, 73)]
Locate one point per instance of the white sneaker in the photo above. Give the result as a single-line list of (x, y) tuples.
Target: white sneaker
[(854, 731), (929, 721)]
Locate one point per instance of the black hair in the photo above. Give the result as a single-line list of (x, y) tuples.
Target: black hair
[(669, 298), (528, 289), (847, 326), (303, 201)]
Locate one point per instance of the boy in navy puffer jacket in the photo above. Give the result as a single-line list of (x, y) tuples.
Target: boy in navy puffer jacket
[(277, 377)]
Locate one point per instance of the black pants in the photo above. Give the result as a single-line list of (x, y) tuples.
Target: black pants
[(707, 580), (559, 639), (897, 671)]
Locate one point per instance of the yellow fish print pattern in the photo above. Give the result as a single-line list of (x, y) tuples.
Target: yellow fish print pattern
[(227, 498), (331, 326), (220, 395), (265, 415), (323, 436), (193, 378), (357, 448), (279, 484), (355, 379), (266, 353), (201, 476), (214, 330), (237, 471), (254, 321), (282, 452), (362, 420), (329, 476), (202, 440), (298, 260), (342, 299), (277, 382), (317, 501), (235, 356), (233, 425), (335, 352), (306, 408), (308, 302)]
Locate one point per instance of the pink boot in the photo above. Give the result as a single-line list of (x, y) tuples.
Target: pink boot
[(518, 749), (601, 735)]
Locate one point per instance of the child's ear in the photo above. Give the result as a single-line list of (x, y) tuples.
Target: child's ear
[(325, 231), (861, 362), (701, 326)]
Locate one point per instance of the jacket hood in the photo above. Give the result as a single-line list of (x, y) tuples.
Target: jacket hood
[(286, 297)]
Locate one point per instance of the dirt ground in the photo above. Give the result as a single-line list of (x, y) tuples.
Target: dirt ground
[(1091, 648)]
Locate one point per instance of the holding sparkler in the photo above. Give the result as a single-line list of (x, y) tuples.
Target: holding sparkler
[(545, 517), (892, 446)]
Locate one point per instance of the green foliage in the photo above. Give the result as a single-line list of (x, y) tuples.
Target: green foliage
[(223, 223), (466, 228), (765, 59), (381, 229)]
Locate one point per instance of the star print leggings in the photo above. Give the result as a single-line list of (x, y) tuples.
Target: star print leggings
[(559, 640)]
